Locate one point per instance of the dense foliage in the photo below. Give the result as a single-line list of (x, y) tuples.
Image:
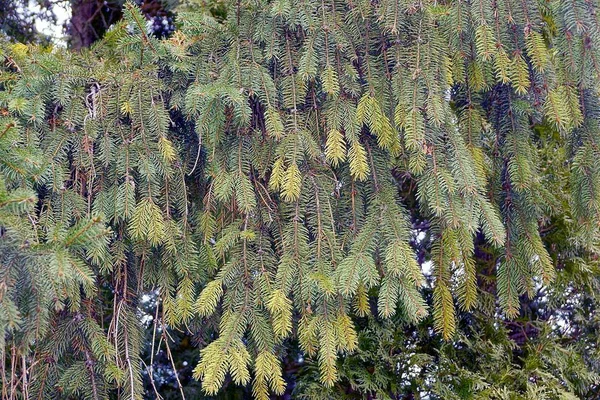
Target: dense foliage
[(268, 184)]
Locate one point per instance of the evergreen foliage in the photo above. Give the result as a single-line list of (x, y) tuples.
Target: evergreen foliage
[(249, 171)]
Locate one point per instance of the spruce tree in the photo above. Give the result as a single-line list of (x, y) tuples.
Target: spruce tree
[(261, 174)]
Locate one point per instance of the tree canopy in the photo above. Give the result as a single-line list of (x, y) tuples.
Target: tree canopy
[(362, 199)]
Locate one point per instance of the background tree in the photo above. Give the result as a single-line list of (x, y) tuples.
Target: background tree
[(83, 21), (372, 199), (17, 19), (90, 19)]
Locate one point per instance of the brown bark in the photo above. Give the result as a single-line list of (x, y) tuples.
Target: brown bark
[(90, 19), (81, 29)]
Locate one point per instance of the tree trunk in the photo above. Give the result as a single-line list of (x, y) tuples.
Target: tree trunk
[(82, 30)]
